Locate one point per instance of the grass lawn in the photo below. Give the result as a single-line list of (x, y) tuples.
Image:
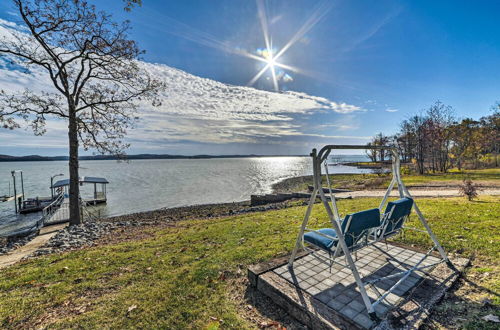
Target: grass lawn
[(489, 174), (187, 275), (373, 181)]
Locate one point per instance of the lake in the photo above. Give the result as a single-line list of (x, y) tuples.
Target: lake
[(143, 185)]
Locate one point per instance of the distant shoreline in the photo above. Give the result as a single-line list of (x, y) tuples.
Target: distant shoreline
[(37, 158)]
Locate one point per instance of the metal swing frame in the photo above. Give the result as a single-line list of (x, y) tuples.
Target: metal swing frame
[(333, 214)]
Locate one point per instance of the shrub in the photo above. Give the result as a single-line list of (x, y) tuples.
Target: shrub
[(406, 170), (468, 189)]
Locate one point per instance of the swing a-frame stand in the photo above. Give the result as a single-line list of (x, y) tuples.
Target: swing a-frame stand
[(361, 230)]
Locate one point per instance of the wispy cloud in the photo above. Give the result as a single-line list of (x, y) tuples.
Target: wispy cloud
[(391, 110), (372, 31), (10, 25), (198, 110), (339, 127)]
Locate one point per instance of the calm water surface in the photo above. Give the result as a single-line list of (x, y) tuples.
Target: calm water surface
[(143, 185)]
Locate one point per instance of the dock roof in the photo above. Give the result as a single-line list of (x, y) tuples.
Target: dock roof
[(84, 179)]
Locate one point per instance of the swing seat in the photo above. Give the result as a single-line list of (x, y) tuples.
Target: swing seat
[(395, 215), (355, 227), (315, 238)]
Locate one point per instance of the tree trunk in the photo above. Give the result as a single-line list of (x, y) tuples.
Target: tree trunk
[(74, 188)]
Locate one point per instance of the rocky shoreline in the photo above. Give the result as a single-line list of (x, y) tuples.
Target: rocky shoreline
[(79, 236), (10, 244), (292, 184), (90, 231)]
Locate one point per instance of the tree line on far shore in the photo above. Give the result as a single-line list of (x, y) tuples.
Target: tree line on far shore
[(435, 140)]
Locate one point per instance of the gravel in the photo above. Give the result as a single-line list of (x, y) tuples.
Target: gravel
[(12, 243), (83, 235)]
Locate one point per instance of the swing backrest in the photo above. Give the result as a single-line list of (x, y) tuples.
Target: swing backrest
[(357, 225), (400, 208)]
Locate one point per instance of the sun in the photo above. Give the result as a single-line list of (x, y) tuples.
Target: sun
[(267, 55), (271, 62), (272, 57)]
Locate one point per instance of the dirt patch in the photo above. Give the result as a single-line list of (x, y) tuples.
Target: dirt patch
[(69, 308), (258, 309), (126, 234), (465, 305)]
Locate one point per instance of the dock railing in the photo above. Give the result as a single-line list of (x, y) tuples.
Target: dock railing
[(87, 214), (60, 212), (55, 212)]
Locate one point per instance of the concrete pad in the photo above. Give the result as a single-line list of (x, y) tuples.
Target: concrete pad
[(324, 297), (46, 233)]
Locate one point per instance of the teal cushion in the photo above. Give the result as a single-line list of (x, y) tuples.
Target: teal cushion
[(360, 222), (402, 208), (320, 241)]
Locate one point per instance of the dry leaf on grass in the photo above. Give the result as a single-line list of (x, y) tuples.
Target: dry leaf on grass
[(491, 318), (273, 324)]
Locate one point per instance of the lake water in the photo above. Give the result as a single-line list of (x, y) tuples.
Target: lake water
[(142, 185)]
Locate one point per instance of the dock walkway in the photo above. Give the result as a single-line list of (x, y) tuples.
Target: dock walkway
[(60, 215)]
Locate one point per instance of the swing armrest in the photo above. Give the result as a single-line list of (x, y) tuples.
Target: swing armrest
[(333, 238)]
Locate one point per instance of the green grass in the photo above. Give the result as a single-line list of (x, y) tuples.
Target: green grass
[(374, 181), (182, 277), (490, 174)]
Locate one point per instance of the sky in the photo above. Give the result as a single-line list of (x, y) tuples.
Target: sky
[(349, 70)]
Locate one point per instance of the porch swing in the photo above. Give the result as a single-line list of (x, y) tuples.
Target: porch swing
[(361, 229)]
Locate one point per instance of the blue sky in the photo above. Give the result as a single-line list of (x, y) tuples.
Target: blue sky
[(389, 59)]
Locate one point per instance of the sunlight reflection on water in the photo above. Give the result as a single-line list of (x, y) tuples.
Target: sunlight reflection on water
[(142, 185)]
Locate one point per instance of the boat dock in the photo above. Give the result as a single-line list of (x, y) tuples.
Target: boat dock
[(8, 198), (54, 209)]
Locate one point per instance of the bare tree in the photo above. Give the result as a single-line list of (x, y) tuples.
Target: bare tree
[(435, 140), (371, 153), (405, 140), (129, 4), (466, 141), (440, 118), (416, 126), (96, 78), (382, 140), (378, 140), (491, 133)]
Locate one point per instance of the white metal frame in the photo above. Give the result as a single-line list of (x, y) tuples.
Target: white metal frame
[(333, 214)]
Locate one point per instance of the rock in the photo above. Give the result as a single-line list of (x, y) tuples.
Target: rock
[(12, 243), (73, 237)]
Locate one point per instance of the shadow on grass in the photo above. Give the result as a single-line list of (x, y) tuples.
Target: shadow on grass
[(479, 287), (455, 311)]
